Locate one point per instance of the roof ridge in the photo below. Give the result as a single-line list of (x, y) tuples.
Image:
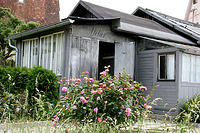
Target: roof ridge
[(174, 18)]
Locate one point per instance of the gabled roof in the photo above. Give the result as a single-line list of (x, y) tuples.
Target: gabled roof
[(102, 12), (129, 23), (189, 29)]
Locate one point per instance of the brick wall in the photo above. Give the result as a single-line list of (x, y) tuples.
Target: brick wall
[(42, 11)]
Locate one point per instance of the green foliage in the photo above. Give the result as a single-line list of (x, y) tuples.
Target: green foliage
[(191, 110), (117, 99), (10, 25), (46, 82), (15, 81)]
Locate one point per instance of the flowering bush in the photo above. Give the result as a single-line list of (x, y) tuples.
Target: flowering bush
[(118, 98)]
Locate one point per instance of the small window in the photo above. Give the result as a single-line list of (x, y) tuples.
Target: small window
[(21, 1), (195, 1), (166, 67)]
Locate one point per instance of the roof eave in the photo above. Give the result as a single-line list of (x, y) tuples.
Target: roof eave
[(40, 29)]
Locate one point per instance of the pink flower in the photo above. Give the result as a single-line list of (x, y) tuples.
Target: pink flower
[(91, 80), (112, 85), (99, 119), (95, 110), (64, 89), (74, 107), (131, 88), (104, 121), (136, 101), (57, 118), (104, 85), (86, 97), (98, 98), (58, 113), (87, 73), (84, 107), (128, 110), (82, 91), (125, 88), (61, 96), (107, 70), (120, 89), (127, 113), (93, 91), (103, 73), (82, 99), (78, 80), (143, 88)]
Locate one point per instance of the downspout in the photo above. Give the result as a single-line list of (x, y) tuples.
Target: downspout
[(16, 56)]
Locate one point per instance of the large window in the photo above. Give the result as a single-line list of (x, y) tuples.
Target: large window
[(51, 49), (166, 67), (50, 56), (29, 53), (190, 68)]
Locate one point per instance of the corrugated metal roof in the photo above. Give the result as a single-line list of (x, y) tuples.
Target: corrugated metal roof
[(188, 28), (177, 45), (142, 31)]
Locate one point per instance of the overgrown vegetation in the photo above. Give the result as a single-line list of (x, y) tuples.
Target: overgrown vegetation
[(86, 105), (191, 111), (19, 88)]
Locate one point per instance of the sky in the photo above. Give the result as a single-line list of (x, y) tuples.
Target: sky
[(175, 8)]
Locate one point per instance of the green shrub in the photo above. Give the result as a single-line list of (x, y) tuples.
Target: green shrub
[(191, 110), (14, 79), (45, 81), (111, 99)]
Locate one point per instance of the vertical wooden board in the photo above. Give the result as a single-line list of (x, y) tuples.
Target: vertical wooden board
[(94, 58), (124, 57), (75, 56), (85, 55)]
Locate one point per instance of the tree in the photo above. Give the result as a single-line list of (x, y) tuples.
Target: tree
[(10, 25)]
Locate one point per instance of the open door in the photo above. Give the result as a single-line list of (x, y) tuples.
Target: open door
[(106, 56), (124, 58)]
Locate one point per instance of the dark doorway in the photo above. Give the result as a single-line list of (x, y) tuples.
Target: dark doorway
[(106, 56)]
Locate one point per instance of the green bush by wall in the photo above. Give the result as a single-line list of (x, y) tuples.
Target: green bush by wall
[(17, 80)]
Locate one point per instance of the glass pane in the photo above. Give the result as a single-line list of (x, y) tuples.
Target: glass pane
[(42, 51), (193, 64), (54, 54), (162, 67), (198, 69), (186, 67), (170, 66)]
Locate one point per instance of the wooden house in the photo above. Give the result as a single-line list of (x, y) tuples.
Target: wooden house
[(154, 48)]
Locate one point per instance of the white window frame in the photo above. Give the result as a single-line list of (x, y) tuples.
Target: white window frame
[(56, 61), (166, 71), (190, 68), (27, 58)]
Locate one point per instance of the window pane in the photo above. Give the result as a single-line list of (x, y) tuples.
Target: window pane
[(193, 64), (198, 69), (170, 66), (162, 67), (186, 67)]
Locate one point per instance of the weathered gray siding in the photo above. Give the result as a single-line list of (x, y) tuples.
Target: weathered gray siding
[(82, 48), (187, 89), (146, 72)]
